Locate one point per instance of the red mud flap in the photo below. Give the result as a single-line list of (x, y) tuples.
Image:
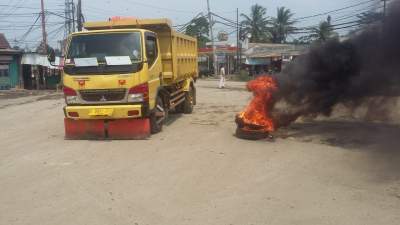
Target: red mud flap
[(101, 129), (129, 129), (84, 129)]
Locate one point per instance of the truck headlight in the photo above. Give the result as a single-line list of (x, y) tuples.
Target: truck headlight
[(71, 99), (139, 93), (71, 96), (139, 97)]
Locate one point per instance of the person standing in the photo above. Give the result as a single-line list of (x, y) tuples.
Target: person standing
[(222, 77)]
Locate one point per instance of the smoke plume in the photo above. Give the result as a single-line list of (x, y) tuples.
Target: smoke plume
[(351, 72)]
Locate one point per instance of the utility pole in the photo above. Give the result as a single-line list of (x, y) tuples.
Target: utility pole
[(44, 35), (212, 38), (44, 42), (73, 15), (238, 61), (79, 15), (69, 17), (384, 8)]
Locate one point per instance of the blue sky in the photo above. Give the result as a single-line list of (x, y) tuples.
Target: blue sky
[(17, 15)]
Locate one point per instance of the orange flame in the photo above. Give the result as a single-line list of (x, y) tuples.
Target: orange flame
[(257, 112)]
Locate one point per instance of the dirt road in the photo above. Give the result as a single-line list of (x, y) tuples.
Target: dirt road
[(196, 172)]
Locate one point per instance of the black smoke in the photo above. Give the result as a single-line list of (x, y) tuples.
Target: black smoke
[(349, 72)]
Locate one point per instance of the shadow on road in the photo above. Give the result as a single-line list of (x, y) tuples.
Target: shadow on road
[(378, 143), (172, 117), (351, 135)]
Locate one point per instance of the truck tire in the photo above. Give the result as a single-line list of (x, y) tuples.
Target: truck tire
[(158, 116), (189, 101)]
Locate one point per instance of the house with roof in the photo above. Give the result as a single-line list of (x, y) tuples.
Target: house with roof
[(10, 65), (265, 57), (38, 73)]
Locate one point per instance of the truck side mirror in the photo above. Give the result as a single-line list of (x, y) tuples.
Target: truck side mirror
[(51, 56)]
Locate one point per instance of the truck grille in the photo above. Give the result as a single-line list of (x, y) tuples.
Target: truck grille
[(103, 95)]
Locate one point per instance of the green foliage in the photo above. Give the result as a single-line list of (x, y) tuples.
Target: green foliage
[(242, 76), (323, 32), (199, 28), (282, 25), (256, 24)]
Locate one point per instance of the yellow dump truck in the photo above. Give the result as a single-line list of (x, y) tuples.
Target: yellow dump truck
[(122, 77)]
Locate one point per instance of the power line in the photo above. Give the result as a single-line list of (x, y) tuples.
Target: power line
[(19, 14), (223, 18), (160, 8), (30, 28), (9, 2), (14, 8), (336, 10), (355, 22), (181, 29), (341, 26), (25, 26), (332, 25), (101, 12), (26, 7), (59, 15), (226, 24), (354, 13)]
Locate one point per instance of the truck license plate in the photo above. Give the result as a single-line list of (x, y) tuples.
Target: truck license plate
[(101, 112)]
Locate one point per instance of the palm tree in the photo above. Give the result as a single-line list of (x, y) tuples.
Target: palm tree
[(256, 24), (282, 25), (199, 29), (324, 31)]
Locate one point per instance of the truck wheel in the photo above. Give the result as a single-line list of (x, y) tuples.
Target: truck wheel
[(158, 116), (189, 101)]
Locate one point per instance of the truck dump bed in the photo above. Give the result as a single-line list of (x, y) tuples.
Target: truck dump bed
[(178, 51)]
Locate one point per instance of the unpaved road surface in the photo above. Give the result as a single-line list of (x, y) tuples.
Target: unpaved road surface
[(196, 171)]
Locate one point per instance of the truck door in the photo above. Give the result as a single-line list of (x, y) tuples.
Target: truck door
[(154, 65)]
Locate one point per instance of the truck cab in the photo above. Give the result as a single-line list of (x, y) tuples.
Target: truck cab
[(127, 72)]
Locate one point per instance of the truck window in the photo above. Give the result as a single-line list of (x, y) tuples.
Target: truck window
[(103, 45), (116, 52), (151, 49)]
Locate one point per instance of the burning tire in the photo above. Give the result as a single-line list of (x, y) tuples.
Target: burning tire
[(250, 131), (255, 123), (244, 133)]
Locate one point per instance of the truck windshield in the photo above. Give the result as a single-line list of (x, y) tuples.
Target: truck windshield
[(100, 46), (104, 54)]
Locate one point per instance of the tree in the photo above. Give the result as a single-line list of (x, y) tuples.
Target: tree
[(256, 24), (324, 31), (282, 25), (199, 28)]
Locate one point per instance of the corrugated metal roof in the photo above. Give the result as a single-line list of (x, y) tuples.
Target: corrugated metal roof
[(37, 59), (267, 50)]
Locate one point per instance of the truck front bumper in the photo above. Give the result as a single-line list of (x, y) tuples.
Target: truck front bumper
[(106, 122), (107, 129), (105, 112)]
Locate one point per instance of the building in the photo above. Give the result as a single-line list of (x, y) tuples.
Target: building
[(37, 72), (10, 65), (226, 57), (267, 57)]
